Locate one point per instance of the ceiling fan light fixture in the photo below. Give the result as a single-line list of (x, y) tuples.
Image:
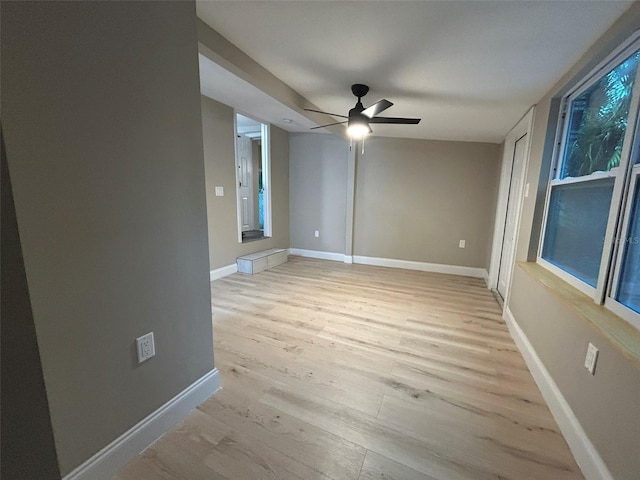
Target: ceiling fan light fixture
[(358, 126), (358, 130)]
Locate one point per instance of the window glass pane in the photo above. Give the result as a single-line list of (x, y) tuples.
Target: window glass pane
[(576, 227), (629, 286), (597, 122)]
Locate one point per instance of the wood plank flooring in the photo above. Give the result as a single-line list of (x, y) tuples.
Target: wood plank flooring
[(334, 371)]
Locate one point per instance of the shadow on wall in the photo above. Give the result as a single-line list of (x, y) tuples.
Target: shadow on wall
[(27, 446)]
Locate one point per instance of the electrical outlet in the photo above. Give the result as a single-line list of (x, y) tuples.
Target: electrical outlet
[(463, 243), (317, 233), (146, 347), (591, 359), (219, 191)]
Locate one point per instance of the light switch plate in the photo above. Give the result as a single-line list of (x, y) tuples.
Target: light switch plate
[(219, 191), (462, 244), (317, 233), (591, 359)]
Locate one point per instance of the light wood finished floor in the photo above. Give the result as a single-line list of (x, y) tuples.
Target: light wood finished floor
[(334, 371)]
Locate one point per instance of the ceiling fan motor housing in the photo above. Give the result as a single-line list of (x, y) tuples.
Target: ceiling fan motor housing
[(356, 117)]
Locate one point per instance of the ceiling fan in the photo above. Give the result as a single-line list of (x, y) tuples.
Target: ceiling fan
[(359, 117)]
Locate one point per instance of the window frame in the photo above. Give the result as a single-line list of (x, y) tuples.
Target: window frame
[(619, 211), (610, 300)]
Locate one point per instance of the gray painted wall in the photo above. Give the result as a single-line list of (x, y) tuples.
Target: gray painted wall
[(318, 189), (415, 199), (607, 404), (103, 131), (27, 448), (219, 154)]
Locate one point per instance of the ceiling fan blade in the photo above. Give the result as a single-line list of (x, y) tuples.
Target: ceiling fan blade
[(328, 125), (326, 113), (397, 120), (376, 108)]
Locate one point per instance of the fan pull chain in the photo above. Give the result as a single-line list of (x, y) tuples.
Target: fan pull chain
[(351, 144)]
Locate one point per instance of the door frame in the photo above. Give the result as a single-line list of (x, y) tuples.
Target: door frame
[(266, 177), (266, 171), (523, 127)]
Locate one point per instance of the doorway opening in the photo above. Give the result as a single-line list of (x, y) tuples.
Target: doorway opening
[(507, 251), (511, 192), (252, 178)]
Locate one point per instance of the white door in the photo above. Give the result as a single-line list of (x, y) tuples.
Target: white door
[(244, 165), (513, 209)]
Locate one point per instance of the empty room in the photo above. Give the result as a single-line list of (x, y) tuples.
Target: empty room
[(320, 240)]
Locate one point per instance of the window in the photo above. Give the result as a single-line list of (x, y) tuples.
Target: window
[(591, 234), (626, 289)]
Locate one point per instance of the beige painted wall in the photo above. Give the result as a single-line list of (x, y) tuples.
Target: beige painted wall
[(607, 404), (494, 202), (318, 188), (103, 132), (219, 153), (415, 199)]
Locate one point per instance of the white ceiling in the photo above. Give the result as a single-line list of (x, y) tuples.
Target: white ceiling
[(469, 69), (225, 87), (247, 126)]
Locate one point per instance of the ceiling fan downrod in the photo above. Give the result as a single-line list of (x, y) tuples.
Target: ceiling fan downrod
[(359, 90)]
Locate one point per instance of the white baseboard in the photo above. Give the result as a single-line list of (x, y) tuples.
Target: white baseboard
[(336, 257), (422, 266), (585, 453), (393, 263), (223, 271), (106, 463), (485, 276)]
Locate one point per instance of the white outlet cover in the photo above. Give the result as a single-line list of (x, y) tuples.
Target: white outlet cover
[(463, 243), (219, 191), (146, 347), (317, 233), (591, 359)]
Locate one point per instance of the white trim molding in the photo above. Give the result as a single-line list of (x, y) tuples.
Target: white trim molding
[(393, 263), (336, 257), (422, 266), (485, 276), (585, 453), (106, 463), (223, 271)]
